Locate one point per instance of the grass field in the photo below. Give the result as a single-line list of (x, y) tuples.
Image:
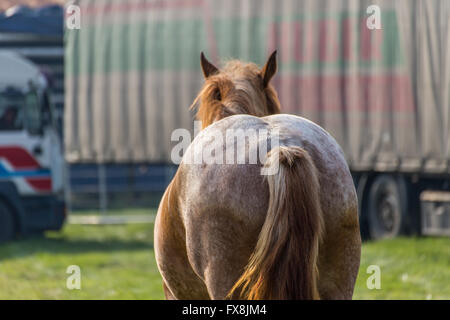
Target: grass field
[(117, 262)]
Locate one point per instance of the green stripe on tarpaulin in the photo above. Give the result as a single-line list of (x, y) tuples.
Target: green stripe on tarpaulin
[(175, 45), (120, 47), (170, 45), (245, 39)]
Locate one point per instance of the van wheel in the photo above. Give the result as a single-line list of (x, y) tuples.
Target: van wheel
[(6, 223), (387, 208)]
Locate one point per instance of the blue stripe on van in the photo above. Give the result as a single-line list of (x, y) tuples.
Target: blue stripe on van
[(23, 173)]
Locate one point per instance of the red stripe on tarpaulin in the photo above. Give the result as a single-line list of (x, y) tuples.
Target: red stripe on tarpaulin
[(18, 157), (329, 92), (40, 184)]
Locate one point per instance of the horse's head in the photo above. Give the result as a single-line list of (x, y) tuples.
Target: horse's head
[(239, 88)]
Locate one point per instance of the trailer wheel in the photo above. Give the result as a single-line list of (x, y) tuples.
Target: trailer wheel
[(387, 207), (6, 223)]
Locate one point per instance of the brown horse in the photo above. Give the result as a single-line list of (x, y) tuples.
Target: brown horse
[(227, 231)]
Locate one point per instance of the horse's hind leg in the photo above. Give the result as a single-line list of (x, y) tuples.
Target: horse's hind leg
[(167, 293), (339, 258), (179, 279), (219, 249)]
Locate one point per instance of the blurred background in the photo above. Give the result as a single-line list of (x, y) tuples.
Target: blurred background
[(86, 117)]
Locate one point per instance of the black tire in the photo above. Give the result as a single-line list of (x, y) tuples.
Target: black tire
[(386, 208), (6, 223)]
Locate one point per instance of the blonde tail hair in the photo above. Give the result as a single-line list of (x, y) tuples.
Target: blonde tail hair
[(284, 262)]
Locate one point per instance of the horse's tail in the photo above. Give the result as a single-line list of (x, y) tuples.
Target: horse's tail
[(284, 262)]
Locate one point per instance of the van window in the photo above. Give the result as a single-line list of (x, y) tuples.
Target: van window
[(46, 109), (11, 112), (33, 113)]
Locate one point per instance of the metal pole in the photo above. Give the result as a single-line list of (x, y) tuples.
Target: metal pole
[(103, 197), (67, 187)]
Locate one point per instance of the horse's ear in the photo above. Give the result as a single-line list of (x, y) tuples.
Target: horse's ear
[(207, 67), (269, 69)]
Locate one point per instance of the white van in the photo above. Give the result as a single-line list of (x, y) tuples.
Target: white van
[(31, 159)]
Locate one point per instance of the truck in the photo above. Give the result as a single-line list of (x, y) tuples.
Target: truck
[(133, 70), (31, 159)]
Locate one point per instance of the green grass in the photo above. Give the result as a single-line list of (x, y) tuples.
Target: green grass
[(117, 262), (411, 268)]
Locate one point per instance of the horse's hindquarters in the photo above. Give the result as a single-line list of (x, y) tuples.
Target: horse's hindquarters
[(211, 216)]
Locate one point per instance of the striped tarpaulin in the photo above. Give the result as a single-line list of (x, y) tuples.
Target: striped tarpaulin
[(133, 69)]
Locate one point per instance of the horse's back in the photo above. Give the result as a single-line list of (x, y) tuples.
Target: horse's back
[(241, 187)]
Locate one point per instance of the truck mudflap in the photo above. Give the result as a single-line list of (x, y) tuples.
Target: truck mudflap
[(435, 213)]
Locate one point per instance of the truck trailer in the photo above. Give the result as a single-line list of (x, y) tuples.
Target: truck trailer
[(133, 70)]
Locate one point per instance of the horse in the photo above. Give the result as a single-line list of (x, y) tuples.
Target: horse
[(229, 231)]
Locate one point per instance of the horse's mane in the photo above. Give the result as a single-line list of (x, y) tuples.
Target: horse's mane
[(210, 109)]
